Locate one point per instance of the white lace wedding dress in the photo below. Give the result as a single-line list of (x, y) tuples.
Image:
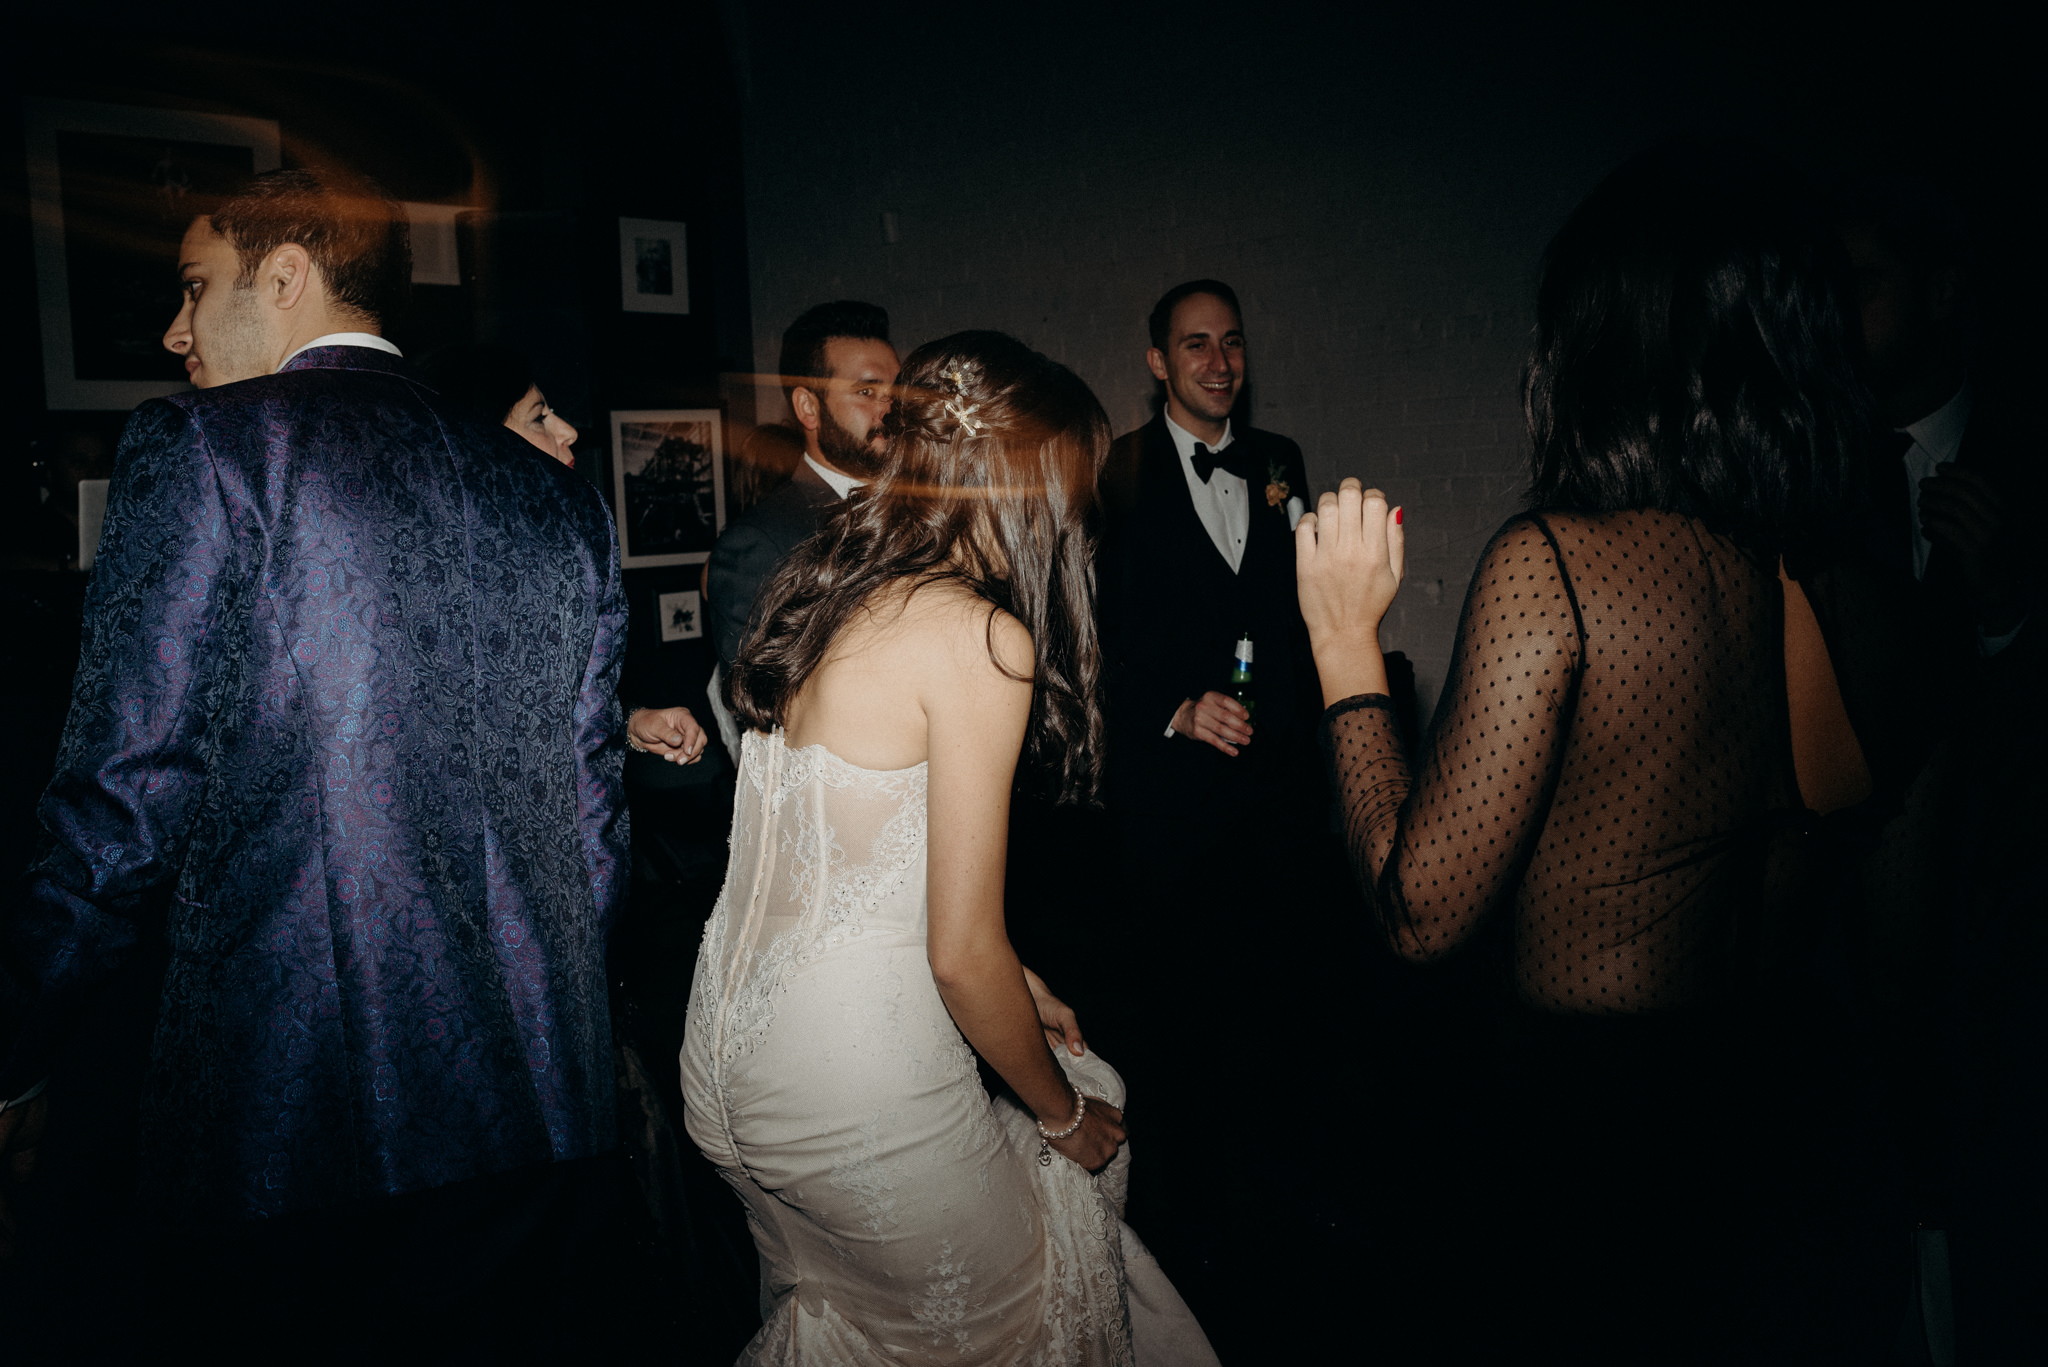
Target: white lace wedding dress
[(901, 1217)]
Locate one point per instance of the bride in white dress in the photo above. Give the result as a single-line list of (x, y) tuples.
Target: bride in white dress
[(939, 626)]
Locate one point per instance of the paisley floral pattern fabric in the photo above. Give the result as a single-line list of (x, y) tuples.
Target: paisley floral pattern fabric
[(901, 1216), (347, 694)]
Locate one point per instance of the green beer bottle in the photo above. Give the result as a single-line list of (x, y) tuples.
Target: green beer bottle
[(1241, 677)]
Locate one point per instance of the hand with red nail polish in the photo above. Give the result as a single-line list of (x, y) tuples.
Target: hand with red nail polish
[(1349, 556)]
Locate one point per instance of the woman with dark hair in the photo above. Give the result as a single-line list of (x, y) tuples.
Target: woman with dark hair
[(496, 384), (940, 625), (1614, 749)]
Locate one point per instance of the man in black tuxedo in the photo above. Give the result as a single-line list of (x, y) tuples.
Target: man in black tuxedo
[(1198, 554), (1948, 922), (1950, 516), (1217, 816)]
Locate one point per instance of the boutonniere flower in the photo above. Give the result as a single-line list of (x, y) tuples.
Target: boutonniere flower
[(1276, 485)]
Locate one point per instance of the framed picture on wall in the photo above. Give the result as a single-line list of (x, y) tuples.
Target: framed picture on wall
[(654, 266), (112, 189), (668, 484), (681, 613)]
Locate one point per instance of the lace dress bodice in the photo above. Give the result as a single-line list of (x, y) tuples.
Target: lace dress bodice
[(1610, 756)]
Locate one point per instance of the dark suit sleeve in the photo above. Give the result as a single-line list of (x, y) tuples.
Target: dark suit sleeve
[(1147, 685), (1153, 695), (161, 649), (740, 561), (600, 745)]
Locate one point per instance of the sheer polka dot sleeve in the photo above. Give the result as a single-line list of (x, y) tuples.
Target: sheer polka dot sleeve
[(1436, 850)]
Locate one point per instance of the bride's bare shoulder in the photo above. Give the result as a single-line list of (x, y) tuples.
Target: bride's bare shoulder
[(915, 661), (957, 632)]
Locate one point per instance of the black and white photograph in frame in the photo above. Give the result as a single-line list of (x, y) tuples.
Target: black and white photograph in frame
[(681, 613), (112, 189), (668, 484), (654, 266)]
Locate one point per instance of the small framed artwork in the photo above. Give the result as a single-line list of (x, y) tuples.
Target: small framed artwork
[(682, 614), (654, 266), (112, 189), (668, 485)]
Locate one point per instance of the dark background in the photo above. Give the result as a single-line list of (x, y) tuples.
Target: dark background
[(1379, 189), (1377, 182), (550, 133)]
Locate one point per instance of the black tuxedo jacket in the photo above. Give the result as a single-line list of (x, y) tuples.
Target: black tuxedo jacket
[(1172, 613), (1874, 613), (1936, 618), (2001, 443), (753, 546)]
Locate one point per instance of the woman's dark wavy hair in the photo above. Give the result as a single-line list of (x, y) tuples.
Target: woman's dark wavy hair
[(1692, 351), (999, 500)]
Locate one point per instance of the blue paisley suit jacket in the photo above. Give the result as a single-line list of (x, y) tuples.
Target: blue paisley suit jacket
[(347, 697)]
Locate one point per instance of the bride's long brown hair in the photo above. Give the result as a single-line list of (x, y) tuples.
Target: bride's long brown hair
[(994, 452)]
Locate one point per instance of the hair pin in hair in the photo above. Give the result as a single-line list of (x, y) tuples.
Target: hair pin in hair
[(957, 407)]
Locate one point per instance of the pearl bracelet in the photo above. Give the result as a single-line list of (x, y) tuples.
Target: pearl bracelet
[(1045, 1136)]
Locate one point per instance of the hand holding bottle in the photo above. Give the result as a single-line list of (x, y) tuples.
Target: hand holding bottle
[(1217, 718)]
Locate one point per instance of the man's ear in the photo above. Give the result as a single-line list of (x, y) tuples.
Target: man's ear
[(1156, 359), (286, 275), (804, 404)]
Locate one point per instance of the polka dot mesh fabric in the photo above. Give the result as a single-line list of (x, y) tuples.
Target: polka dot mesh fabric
[(1608, 762)]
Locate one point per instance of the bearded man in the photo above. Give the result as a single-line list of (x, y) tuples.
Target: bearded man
[(839, 373)]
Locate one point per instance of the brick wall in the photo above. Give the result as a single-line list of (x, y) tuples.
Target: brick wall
[(1378, 196)]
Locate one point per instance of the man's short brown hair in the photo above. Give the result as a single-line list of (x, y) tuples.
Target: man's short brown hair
[(354, 231)]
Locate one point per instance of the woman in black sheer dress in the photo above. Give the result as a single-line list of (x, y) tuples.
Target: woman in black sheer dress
[(1612, 756)]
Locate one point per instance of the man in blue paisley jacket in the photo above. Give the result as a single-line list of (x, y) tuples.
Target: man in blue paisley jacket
[(344, 726)]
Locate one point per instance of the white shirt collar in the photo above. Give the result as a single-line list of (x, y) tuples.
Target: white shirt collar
[(368, 339), (1940, 433), (842, 485), (1184, 440)]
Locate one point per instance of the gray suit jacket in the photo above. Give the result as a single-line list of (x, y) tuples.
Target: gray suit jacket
[(753, 546)]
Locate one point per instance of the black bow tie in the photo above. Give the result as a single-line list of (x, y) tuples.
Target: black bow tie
[(1207, 462)]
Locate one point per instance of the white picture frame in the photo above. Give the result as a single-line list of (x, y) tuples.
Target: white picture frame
[(99, 203), (668, 484), (654, 266), (681, 614)]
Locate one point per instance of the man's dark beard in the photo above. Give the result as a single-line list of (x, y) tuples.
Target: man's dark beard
[(843, 450)]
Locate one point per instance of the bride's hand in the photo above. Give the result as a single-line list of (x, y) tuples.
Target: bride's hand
[(1096, 1142), (1062, 1026)]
